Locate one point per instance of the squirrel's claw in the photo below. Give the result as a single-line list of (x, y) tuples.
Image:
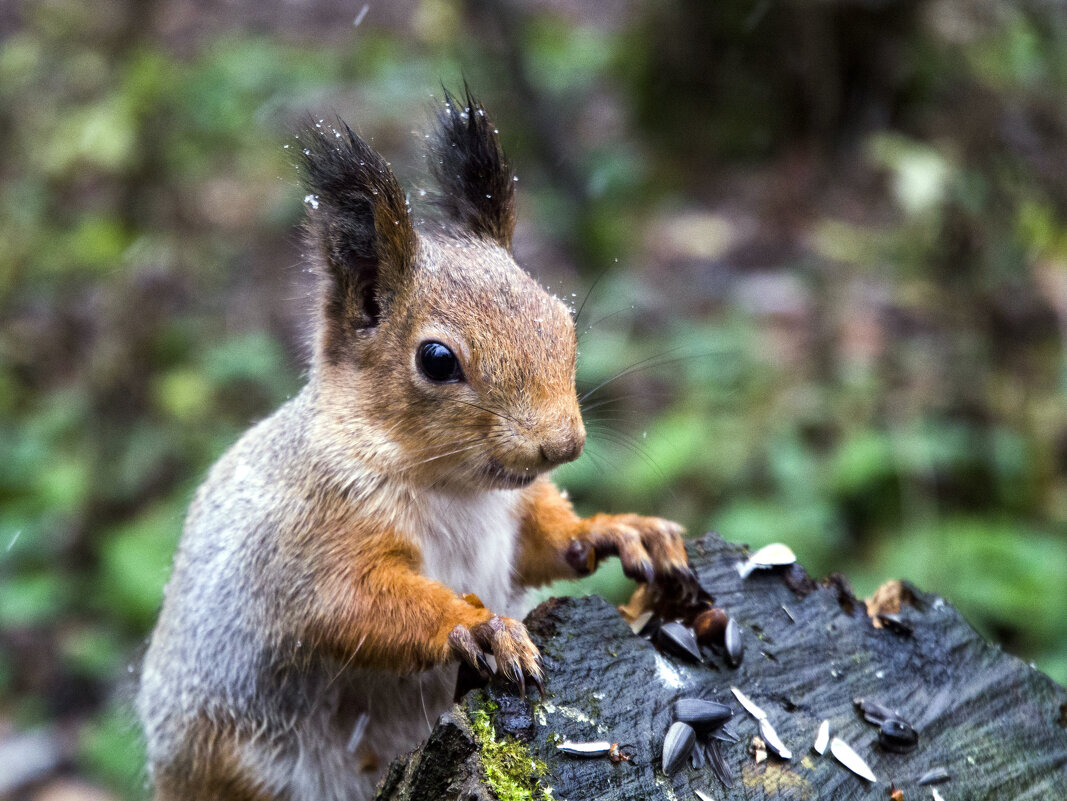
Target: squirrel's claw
[(539, 683), (463, 645), (517, 658), (651, 550), (690, 583), (683, 582), (643, 571), (514, 672)]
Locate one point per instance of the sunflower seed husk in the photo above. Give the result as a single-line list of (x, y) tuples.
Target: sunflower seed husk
[(758, 749), (735, 650), (597, 748), (774, 555), (774, 742), (726, 733), (934, 776), (822, 739), (844, 754), (677, 744), (749, 705), (679, 640), (703, 796), (722, 772), (896, 624), (874, 712), (696, 757)]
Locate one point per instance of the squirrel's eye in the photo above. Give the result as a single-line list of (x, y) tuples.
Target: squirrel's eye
[(438, 362)]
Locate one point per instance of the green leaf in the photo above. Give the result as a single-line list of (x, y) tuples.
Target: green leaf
[(111, 749), (33, 598), (96, 652), (135, 564)]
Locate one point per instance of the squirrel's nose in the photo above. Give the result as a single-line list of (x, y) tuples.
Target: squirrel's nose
[(562, 449)]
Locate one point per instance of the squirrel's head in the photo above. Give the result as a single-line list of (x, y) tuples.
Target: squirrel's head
[(437, 357)]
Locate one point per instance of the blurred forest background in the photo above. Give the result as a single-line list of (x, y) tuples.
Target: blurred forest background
[(831, 234)]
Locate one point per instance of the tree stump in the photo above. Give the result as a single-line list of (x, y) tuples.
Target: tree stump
[(997, 726)]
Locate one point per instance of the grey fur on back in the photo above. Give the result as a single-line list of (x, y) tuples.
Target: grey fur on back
[(213, 654)]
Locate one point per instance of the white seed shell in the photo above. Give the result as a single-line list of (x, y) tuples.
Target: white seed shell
[(735, 650), (774, 742), (703, 796), (748, 704), (822, 739), (844, 754), (640, 621), (937, 795), (776, 554), (593, 749)]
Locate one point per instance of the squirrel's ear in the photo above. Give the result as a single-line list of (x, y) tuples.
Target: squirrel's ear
[(358, 219), (477, 187)]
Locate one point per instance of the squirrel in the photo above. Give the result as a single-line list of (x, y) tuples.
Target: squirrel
[(383, 525)]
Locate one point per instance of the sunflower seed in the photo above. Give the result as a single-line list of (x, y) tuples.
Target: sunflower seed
[(897, 736), (700, 714), (709, 626), (679, 640), (677, 744)]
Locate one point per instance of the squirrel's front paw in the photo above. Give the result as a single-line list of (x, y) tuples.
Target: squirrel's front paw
[(651, 549), (517, 658)]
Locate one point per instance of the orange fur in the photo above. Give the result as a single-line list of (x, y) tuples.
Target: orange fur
[(549, 526), (325, 559), (556, 543), (211, 769), (371, 606)]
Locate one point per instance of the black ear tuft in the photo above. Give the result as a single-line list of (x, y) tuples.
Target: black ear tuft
[(358, 219), (477, 188)]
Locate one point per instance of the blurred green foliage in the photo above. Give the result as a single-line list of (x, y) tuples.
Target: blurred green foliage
[(834, 251)]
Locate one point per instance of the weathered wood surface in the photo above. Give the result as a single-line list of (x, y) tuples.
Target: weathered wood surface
[(996, 724)]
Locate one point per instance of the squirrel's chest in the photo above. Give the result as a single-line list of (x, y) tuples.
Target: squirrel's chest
[(470, 544)]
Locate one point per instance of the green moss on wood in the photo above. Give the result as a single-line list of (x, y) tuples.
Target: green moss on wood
[(510, 769)]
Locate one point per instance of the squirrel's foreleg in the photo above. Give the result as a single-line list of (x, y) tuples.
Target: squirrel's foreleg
[(374, 609), (556, 543)]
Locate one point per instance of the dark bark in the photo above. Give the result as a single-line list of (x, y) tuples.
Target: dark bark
[(997, 725)]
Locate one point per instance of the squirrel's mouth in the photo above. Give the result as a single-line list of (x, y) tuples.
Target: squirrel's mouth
[(501, 477)]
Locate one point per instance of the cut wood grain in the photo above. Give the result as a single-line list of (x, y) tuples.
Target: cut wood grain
[(997, 725)]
